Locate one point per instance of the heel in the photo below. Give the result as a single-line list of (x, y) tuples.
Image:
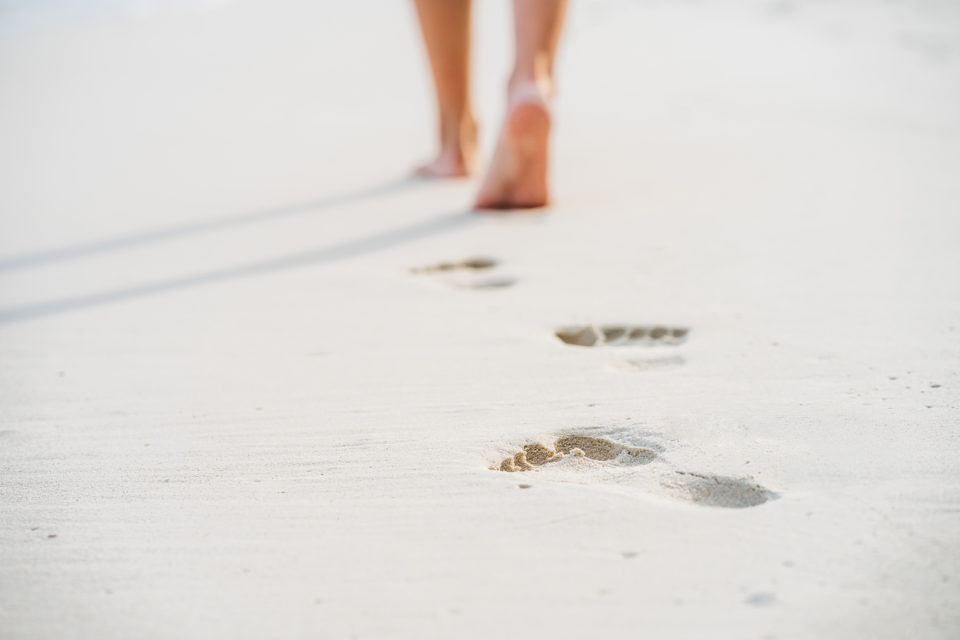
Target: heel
[(529, 125)]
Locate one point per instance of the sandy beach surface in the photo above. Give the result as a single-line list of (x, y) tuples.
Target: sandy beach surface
[(256, 383)]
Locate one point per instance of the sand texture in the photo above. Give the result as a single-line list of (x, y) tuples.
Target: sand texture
[(257, 383)]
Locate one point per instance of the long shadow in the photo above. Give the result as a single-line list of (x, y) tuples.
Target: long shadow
[(170, 233), (321, 255)]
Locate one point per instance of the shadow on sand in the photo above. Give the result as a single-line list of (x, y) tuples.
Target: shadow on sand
[(312, 257), (162, 234)]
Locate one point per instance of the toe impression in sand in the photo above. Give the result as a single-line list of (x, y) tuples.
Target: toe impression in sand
[(590, 335), (536, 455)]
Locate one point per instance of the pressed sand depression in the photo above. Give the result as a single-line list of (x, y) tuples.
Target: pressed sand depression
[(592, 458)]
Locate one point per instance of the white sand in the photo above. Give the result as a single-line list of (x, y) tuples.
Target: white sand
[(241, 416)]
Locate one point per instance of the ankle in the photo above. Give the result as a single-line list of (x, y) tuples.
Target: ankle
[(458, 144), (458, 134)]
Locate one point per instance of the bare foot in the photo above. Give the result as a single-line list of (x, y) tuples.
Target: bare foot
[(445, 165), (458, 151), (517, 178)]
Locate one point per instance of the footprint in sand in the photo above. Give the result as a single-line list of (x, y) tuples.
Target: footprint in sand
[(535, 455), (469, 264), (569, 451), (718, 491), (619, 335), (473, 268)]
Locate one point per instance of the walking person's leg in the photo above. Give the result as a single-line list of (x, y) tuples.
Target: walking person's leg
[(445, 25), (517, 177)]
